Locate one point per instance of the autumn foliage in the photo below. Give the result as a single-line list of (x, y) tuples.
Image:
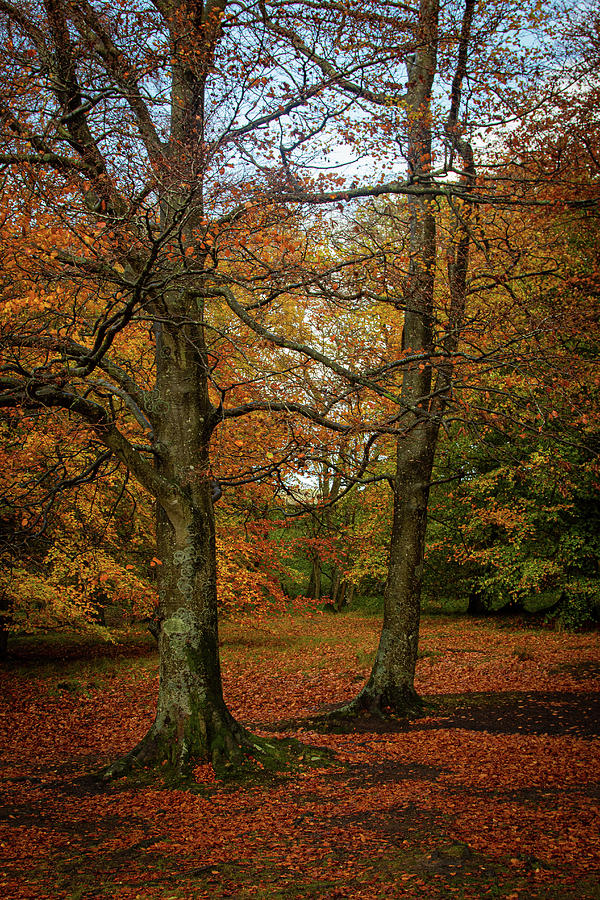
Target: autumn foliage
[(277, 282)]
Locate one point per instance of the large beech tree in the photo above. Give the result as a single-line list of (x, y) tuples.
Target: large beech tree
[(135, 138), (85, 112), (145, 148)]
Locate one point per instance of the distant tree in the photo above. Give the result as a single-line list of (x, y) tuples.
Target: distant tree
[(520, 530)]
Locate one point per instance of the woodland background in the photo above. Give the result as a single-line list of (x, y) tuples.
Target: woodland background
[(282, 286), (514, 518)]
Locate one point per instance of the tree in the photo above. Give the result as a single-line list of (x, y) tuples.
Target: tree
[(468, 67), (136, 138), (422, 396)]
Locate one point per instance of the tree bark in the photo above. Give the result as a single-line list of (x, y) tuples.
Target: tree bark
[(339, 599), (476, 605), (4, 608), (390, 688), (192, 722)]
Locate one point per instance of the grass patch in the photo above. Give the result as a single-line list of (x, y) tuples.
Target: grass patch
[(45, 653), (365, 658)]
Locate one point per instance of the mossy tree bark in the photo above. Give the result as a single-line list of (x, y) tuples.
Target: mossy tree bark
[(192, 721)]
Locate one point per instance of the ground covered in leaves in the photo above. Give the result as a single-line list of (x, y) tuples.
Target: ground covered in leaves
[(492, 793)]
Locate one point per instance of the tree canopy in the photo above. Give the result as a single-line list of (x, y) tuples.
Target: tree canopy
[(208, 295)]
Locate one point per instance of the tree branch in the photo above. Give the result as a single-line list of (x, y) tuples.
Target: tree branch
[(31, 394)]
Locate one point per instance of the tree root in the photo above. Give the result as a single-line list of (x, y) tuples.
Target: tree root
[(382, 705), (144, 754), (233, 753)]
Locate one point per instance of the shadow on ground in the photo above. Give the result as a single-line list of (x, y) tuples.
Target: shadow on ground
[(533, 712)]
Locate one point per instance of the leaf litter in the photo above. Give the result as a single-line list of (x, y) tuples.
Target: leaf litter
[(493, 792)]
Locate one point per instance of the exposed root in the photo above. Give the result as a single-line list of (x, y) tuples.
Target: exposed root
[(380, 705), (145, 754), (233, 752), (388, 700)]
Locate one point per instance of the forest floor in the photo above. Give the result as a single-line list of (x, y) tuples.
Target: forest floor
[(492, 793)]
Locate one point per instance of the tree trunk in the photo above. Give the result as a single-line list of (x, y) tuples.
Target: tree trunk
[(390, 688), (476, 605), (335, 584), (4, 608), (339, 599), (314, 582), (192, 722)]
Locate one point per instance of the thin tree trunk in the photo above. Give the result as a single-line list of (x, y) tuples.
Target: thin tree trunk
[(4, 608), (340, 595), (390, 687), (335, 584), (476, 606)]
